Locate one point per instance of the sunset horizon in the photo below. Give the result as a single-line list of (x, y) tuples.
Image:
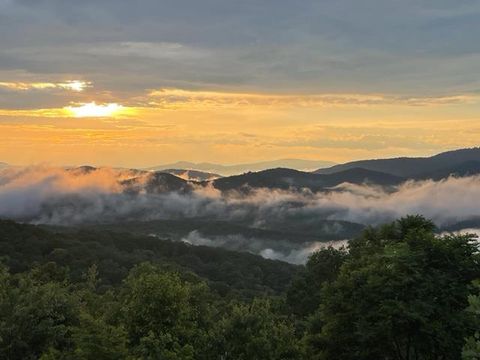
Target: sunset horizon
[(239, 180), (119, 86)]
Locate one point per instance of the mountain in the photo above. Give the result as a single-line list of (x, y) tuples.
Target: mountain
[(192, 175), (411, 167), (226, 170), (114, 253), (286, 236), (82, 170), (467, 168), (469, 224), (3, 165), (281, 178), (299, 230), (155, 183)]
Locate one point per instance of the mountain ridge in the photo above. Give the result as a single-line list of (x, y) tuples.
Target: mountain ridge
[(283, 178), (192, 175), (236, 169), (410, 167)]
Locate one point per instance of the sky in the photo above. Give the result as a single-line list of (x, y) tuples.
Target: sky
[(139, 83)]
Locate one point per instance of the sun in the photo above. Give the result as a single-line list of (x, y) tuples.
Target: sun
[(95, 110)]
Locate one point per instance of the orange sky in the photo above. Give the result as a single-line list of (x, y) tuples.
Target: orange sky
[(137, 84), (167, 125)]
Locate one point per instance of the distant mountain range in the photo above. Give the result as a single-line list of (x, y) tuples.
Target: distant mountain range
[(381, 172), (3, 165), (281, 178), (227, 170), (237, 222), (192, 175), (457, 162), (156, 182), (296, 172)]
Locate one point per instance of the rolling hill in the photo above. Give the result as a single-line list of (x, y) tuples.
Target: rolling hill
[(114, 253), (411, 167), (156, 182), (281, 178), (280, 235), (467, 168), (382, 172)]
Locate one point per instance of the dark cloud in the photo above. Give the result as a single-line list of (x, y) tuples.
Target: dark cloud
[(343, 45)]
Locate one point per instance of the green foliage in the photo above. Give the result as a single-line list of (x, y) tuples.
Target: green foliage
[(400, 295), (114, 254), (255, 332), (34, 316), (303, 295), (161, 314), (471, 350), (93, 338)]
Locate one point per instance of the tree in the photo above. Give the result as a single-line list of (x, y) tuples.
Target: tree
[(303, 295), (255, 332), (34, 316), (471, 350), (95, 339), (160, 314), (400, 295)]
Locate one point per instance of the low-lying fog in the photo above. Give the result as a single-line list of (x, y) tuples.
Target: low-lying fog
[(56, 196)]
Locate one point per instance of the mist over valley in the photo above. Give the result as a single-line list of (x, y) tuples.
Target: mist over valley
[(277, 213)]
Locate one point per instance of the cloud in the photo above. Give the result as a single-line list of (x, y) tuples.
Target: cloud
[(474, 231), (77, 110), (332, 46), (96, 110), (194, 100), (300, 254), (20, 91), (151, 50), (23, 96), (50, 195), (446, 202), (295, 253), (72, 85)]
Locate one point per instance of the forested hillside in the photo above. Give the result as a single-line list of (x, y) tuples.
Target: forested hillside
[(114, 254), (398, 292)]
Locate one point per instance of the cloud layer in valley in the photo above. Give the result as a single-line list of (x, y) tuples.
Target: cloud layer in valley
[(60, 196), (57, 196)]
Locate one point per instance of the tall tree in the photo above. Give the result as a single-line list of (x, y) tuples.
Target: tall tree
[(34, 316), (471, 350), (401, 295), (162, 314), (303, 295), (255, 332)]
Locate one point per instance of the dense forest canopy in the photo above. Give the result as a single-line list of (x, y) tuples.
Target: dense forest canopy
[(398, 292)]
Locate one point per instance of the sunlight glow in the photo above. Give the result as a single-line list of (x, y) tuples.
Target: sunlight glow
[(95, 110), (72, 85)]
